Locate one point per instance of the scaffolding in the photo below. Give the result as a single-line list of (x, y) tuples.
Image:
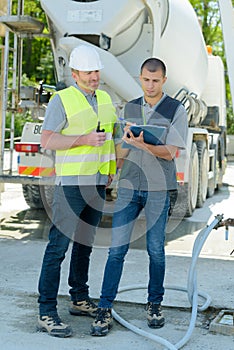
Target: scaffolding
[(18, 26)]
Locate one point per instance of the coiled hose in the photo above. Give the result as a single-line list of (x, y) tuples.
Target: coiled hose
[(191, 289)]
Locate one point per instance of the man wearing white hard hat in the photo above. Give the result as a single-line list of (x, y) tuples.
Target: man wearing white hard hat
[(78, 126)]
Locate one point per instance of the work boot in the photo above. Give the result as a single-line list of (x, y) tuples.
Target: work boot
[(155, 317), (103, 322), (53, 326), (83, 308)]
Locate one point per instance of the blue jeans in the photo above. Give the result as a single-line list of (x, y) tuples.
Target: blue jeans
[(128, 206), (77, 211)]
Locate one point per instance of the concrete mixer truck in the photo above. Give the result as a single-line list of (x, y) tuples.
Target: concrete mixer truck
[(125, 33)]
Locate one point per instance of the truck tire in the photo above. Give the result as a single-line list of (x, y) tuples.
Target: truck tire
[(180, 209), (32, 196), (47, 196), (39, 197), (212, 181), (203, 173), (187, 194), (193, 178)]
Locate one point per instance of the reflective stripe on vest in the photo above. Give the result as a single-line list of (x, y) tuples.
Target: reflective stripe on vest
[(87, 160)]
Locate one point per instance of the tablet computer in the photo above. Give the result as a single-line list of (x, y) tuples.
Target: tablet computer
[(152, 134)]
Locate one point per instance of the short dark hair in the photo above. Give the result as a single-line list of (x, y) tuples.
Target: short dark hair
[(153, 64)]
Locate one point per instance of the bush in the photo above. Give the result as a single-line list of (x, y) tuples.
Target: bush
[(230, 121)]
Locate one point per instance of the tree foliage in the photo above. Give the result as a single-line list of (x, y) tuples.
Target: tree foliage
[(209, 15), (38, 59), (41, 66)]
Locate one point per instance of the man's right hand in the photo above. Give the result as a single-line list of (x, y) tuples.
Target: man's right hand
[(56, 141), (94, 138)]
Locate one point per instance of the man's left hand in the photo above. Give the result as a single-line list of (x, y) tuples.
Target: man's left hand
[(110, 179), (132, 140)]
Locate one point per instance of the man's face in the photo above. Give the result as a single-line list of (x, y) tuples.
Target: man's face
[(152, 82), (87, 81)]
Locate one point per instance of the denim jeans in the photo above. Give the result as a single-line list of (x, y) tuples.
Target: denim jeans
[(77, 211), (128, 206)]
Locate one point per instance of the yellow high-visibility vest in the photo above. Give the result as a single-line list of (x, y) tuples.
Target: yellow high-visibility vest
[(87, 160)]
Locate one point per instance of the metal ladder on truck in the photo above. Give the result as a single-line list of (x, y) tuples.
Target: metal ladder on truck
[(17, 27)]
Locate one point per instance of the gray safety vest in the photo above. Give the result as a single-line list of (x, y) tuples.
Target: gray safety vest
[(142, 170)]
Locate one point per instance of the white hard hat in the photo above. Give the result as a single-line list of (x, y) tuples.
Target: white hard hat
[(85, 58)]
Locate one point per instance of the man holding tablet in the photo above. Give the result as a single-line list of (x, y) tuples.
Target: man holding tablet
[(147, 176)]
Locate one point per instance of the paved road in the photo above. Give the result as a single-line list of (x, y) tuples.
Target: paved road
[(180, 234), (22, 243)]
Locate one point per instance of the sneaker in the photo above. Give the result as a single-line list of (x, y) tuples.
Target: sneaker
[(155, 317), (103, 322), (83, 308), (53, 326)]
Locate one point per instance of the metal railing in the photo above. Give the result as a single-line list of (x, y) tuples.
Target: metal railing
[(11, 68), (17, 27)]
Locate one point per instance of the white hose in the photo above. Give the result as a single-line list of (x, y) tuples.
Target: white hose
[(197, 247), (191, 290)]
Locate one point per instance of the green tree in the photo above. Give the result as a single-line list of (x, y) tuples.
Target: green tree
[(38, 58), (37, 61), (209, 15)]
